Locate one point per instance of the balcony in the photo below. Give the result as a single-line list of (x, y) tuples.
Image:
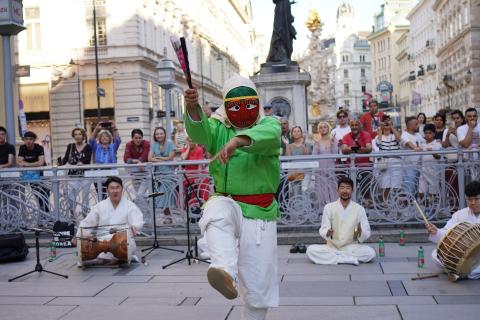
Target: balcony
[(430, 44), (412, 76)]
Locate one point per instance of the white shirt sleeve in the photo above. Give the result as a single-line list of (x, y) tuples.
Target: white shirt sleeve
[(326, 222), (462, 132), (404, 139), (441, 232), (444, 136), (135, 217), (364, 225), (91, 220)]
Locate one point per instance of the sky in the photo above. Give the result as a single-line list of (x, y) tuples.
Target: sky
[(263, 11)]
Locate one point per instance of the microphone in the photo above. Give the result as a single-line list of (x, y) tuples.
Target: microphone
[(155, 194)]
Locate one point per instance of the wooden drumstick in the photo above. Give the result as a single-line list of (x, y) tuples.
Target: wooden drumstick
[(421, 212)]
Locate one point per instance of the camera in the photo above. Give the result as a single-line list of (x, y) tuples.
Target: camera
[(106, 124), (355, 148)]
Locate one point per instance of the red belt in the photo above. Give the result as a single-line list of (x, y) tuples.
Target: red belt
[(261, 200)]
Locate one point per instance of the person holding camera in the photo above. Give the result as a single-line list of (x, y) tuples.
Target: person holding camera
[(78, 153), (105, 145)]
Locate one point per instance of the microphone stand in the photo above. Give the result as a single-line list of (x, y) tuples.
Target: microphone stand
[(155, 244), (189, 255), (38, 266)]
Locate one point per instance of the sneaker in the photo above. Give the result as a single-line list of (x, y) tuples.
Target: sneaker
[(221, 281)]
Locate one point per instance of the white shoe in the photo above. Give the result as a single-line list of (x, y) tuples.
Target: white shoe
[(348, 260)]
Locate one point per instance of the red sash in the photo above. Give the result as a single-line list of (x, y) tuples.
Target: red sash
[(261, 200)]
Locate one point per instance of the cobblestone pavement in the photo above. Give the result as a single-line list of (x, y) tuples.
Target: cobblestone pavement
[(382, 289)]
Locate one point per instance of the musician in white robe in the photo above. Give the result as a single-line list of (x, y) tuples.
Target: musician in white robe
[(344, 226), (114, 212), (469, 214)]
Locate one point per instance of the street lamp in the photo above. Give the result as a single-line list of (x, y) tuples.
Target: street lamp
[(166, 80), (72, 63)]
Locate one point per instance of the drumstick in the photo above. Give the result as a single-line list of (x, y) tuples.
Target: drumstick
[(421, 211), (426, 276)]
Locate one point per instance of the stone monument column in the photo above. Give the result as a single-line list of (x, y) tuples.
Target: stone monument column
[(280, 81)]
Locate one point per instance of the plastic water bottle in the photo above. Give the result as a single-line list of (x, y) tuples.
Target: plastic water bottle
[(53, 251), (421, 258), (402, 238), (381, 248)]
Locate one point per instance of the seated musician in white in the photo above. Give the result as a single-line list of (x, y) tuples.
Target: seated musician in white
[(469, 214), (112, 212), (344, 226)]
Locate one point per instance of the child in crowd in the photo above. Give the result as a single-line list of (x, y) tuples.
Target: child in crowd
[(430, 174)]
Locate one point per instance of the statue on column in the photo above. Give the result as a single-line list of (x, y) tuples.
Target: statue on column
[(281, 45)]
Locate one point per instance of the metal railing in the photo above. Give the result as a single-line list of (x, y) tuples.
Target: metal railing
[(385, 186)]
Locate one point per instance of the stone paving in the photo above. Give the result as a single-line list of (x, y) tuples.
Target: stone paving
[(382, 289)]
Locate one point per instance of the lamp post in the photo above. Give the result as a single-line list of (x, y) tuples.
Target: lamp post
[(11, 23), (166, 80), (72, 63)]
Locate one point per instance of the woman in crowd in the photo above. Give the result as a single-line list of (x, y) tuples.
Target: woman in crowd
[(450, 136), (163, 150), (105, 146), (325, 179), (136, 152), (78, 153), (422, 121), (388, 168), (298, 181), (439, 120), (32, 155), (180, 136)]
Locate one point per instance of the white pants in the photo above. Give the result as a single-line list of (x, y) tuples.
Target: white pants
[(253, 259), (328, 254), (475, 274)]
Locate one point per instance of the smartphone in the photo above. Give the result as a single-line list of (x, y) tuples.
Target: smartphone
[(355, 148), (106, 124)]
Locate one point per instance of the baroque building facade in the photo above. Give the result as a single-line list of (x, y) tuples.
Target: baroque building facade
[(422, 53), (389, 25), (458, 51), (133, 36)]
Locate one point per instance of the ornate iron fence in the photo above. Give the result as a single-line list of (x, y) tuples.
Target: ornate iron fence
[(385, 186)]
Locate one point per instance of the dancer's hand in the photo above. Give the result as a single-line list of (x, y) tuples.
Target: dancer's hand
[(431, 229), (191, 100), (229, 148)]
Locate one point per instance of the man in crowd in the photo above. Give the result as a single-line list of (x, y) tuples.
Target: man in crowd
[(7, 151), (112, 212), (342, 127), (245, 171), (411, 140), (371, 120), (469, 134), (268, 110), (286, 136), (357, 141), (469, 214), (344, 226)]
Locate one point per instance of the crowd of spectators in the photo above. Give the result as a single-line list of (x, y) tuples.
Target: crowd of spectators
[(372, 132)]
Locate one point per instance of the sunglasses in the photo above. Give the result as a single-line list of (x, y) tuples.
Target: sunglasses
[(341, 117)]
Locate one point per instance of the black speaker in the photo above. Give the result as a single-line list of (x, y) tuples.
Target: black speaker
[(12, 247)]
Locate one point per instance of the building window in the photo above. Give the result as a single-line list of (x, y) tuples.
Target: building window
[(362, 73), (101, 32), (346, 88), (362, 58), (33, 33), (345, 58), (90, 94), (346, 102), (364, 88), (345, 73)]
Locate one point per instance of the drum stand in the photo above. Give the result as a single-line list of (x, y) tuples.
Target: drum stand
[(38, 266), (189, 256), (155, 244)]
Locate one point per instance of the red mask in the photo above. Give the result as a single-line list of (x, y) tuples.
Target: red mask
[(242, 113)]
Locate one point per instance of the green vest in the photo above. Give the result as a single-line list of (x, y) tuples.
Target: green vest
[(251, 170)]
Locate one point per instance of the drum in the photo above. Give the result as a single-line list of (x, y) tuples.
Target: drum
[(116, 244), (459, 250)]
